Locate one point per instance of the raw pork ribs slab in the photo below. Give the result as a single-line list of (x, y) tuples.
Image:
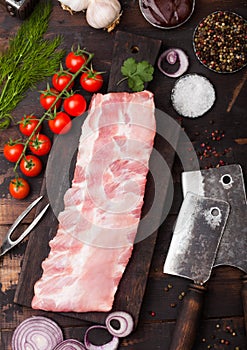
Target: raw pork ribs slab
[(102, 208)]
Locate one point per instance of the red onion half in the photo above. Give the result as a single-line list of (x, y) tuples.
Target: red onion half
[(37, 333), (125, 320), (70, 344), (111, 345), (172, 56)]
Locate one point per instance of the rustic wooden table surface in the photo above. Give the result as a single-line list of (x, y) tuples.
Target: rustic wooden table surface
[(222, 325)]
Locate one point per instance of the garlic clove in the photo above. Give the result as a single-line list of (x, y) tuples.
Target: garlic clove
[(74, 5), (103, 13)]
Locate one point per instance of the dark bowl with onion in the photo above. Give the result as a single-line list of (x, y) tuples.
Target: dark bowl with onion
[(219, 42), (165, 14)]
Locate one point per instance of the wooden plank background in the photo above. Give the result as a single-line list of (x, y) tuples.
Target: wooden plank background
[(223, 309)]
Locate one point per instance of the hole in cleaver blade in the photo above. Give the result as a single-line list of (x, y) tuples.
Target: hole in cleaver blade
[(196, 237)]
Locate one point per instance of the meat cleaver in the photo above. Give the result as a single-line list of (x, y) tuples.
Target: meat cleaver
[(226, 183), (192, 252)]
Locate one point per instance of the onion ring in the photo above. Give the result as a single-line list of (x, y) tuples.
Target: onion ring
[(37, 333), (70, 344), (111, 345), (172, 56), (125, 320)]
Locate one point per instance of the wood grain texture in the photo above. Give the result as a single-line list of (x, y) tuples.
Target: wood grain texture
[(128, 45), (222, 325), (187, 323), (132, 286), (244, 298)]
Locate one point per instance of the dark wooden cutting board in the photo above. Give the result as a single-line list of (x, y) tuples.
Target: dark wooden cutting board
[(132, 286)]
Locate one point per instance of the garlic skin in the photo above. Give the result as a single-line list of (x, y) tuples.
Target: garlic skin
[(103, 13), (74, 5)]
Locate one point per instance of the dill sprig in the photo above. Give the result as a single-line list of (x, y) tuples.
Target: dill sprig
[(30, 58)]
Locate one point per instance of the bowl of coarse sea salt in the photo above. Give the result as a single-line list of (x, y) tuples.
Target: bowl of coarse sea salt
[(192, 95)]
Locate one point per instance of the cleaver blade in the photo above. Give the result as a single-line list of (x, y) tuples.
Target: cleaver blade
[(196, 238), (192, 252), (226, 183)]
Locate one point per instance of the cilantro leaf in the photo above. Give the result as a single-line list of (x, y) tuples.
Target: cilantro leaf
[(129, 67), (136, 83), (145, 71), (137, 73)]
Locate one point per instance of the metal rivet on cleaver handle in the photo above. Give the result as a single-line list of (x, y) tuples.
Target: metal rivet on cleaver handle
[(192, 252), (226, 183)]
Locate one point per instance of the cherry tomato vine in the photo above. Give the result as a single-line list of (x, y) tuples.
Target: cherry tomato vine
[(59, 122)]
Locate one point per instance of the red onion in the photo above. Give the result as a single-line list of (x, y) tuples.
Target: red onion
[(70, 344), (172, 56), (126, 323), (111, 345), (37, 333)]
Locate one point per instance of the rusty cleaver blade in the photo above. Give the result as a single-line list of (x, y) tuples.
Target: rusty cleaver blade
[(226, 183), (192, 252)]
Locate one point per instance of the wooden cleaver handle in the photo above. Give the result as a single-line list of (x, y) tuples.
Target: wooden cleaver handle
[(244, 299), (184, 335)]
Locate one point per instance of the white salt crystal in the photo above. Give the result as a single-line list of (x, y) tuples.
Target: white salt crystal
[(193, 95)]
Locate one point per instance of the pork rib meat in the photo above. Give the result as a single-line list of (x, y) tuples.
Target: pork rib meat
[(102, 208)]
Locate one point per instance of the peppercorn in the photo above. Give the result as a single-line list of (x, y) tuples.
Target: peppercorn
[(229, 329), (220, 43)]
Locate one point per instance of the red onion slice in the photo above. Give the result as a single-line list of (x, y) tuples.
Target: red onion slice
[(126, 323), (172, 56), (70, 344), (37, 333), (111, 345)]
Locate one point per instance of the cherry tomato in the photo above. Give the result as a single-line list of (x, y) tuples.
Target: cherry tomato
[(12, 151), (61, 124), (61, 79), (75, 105), (75, 60), (19, 188), (31, 165), (28, 123), (48, 97), (91, 81), (40, 144)]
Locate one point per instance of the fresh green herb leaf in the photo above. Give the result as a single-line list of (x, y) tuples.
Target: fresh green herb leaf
[(129, 67), (137, 73), (29, 59), (145, 71), (136, 83)]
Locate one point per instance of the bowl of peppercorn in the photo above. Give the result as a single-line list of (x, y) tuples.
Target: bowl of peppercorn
[(220, 42)]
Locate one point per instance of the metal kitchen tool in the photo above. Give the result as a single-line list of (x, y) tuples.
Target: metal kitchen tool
[(8, 243), (19, 8), (192, 252), (226, 183)]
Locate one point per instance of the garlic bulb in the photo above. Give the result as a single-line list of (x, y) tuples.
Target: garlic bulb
[(74, 5), (103, 13)]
